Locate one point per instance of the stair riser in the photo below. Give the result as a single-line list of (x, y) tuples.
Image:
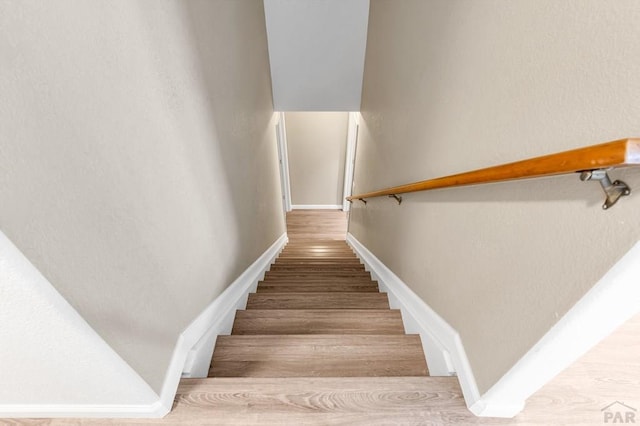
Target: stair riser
[(316, 261), (318, 281), (267, 322), (318, 301), (329, 256), (318, 356), (320, 273), (326, 368), (318, 252), (316, 268), (316, 288), (336, 279)]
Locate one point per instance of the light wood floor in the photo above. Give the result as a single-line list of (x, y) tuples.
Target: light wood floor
[(609, 372), (322, 224)]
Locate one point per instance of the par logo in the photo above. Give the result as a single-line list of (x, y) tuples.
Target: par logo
[(618, 412)]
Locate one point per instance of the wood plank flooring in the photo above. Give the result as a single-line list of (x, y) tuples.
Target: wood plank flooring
[(322, 224)]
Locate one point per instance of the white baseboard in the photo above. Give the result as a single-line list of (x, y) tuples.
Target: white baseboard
[(316, 206), (441, 343), (89, 411), (612, 301), (192, 355)]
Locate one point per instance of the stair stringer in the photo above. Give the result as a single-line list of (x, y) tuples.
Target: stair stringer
[(611, 302), (441, 343)]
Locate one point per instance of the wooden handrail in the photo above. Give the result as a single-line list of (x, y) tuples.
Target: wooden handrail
[(623, 152)]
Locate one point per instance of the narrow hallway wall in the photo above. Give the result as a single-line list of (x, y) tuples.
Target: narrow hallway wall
[(138, 157), (457, 85)]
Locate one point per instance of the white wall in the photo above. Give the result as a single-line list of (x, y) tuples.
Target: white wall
[(316, 51), (456, 85), (317, 143), (46, 345), (138, 158)]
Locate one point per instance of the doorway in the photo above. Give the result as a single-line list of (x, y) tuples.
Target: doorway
[(350, 160)]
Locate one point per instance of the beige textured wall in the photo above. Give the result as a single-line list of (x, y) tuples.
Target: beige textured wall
[(317, 144), (455, 85), (138, 162)]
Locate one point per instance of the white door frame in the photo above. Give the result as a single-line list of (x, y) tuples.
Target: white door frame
[(349, 165), (283, 157)]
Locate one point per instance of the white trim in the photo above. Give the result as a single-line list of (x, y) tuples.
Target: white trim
[(612, 301), (349, 157), (154, 410), (283, 157), (317, 207), (441, 343), (194, 348)]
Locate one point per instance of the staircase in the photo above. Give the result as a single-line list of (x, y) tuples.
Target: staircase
[(317, 313), (317, 344)]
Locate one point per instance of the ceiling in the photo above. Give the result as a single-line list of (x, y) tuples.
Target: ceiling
[(316, 50)]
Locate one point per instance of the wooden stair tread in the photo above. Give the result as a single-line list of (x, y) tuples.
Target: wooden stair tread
[(318, 356), (317, 245), (311, 256), (319, 270), (324, 321), (319, 401), (313, 269), (326, 263), (364, 341), (327, 367), (308, 347), (312, 273), (314, 249), (320, 281), (323, 262), (316, 288), (325, 300), (317, 249), (322, 384), (311, 276), (320, 262), (313, 252), (319, 278), (267, 394), (315, 262), (321, 259)]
